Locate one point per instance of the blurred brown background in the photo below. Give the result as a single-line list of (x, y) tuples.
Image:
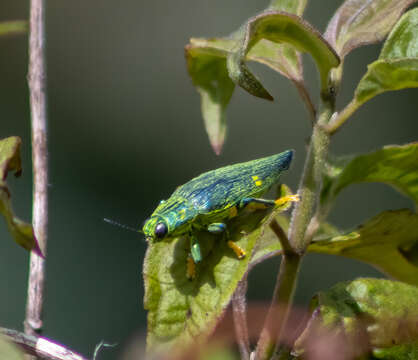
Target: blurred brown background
[(126, 129)]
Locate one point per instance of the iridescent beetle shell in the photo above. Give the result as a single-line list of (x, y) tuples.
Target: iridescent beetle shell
[(214, 196)]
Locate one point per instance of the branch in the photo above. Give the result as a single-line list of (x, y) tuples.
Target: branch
[(295, 246), (310, 185), (306, 98), (40, 346), (239, 313), (342, 117), (281, 235), (36, 82)]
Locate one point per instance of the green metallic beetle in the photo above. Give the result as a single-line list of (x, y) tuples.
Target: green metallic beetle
[(208, 201)]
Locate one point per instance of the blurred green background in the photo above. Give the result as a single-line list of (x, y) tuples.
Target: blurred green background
[(125, 129)]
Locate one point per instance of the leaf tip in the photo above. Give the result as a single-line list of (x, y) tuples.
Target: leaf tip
[(217, 148)]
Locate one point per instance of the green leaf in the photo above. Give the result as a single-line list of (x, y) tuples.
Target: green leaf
[(280, 27), (9, 351), (212, 53), (397, 66), (395, 165), (181, 311), (268, 245), (283, 57), (365, 315), (10, 161), (358, 22), (207, 68), (13, 27), (387, 75), (388, 242), (291, 6)]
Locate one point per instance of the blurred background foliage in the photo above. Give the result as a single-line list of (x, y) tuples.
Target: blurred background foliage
[(125, 129)]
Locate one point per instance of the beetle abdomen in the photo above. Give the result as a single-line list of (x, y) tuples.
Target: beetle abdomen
[(226, 186)]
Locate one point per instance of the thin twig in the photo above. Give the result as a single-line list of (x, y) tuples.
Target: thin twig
[(295, 246), (39, 346), (36, 81), (306, 98), (283, 293), (281, 235), (239, 313), (342, 117), (276, 320)]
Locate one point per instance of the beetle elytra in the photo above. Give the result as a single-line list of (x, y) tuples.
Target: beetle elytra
[(208, 201)]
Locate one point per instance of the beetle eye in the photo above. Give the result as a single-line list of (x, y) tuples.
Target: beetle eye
[(160, 230)]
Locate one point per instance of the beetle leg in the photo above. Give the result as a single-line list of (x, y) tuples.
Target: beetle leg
[(256, 204), (195, 249), (191, 268), (285, 199), (216, 228), (238, 250)]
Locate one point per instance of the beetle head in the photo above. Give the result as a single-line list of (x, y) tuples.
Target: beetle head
[(155, 228)]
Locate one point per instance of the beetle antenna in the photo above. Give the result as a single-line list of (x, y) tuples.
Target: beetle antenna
[(123, 226)]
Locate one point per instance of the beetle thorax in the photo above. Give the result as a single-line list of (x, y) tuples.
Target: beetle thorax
[(159, 226)]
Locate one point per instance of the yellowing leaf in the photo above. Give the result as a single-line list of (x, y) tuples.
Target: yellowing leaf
[(10, 161), (13, 27), (364, 316), (395, 165), (386, 242), (9, 351)]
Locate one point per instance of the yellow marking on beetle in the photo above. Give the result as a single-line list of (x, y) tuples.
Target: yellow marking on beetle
[(283, 200), (191, 268), (239, 252), (256, 180), (233, 211), (182, 214)]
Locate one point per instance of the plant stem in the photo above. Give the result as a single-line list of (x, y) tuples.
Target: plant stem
[(281, 235), (39, 346), (283, 294), (278, 311), (342, 117), (239, 313), (306, 98), (310, 183), (294, 249), (36, 81)]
